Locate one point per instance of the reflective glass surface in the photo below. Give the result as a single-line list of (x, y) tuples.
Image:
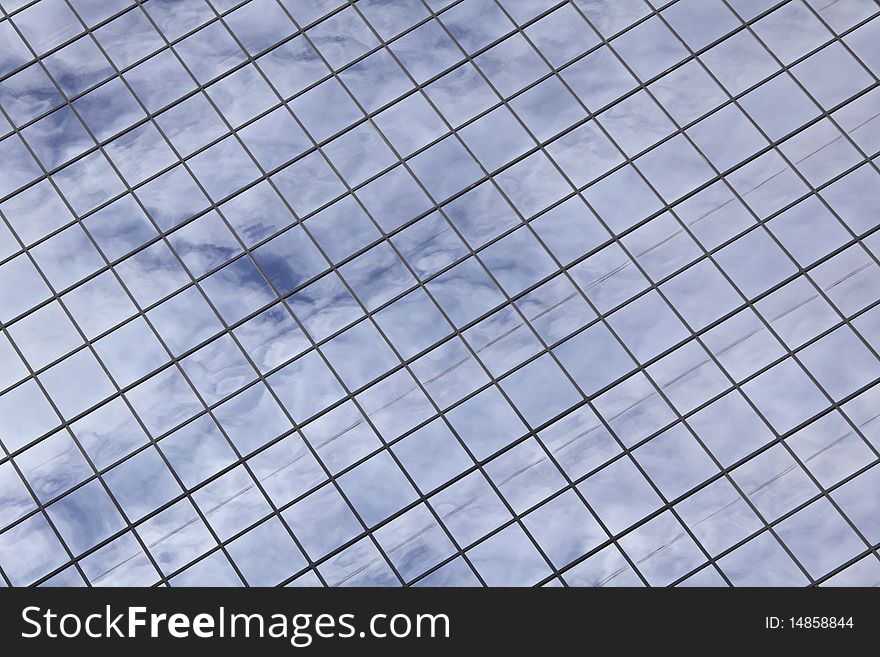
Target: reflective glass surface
[(440, 293)]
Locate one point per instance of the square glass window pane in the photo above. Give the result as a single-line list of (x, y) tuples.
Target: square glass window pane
[(675, 462), (232, 503), (820, 538), (308, 183), (197, 451), (449, 372), (306, 386), (259, 25), (377, 488), (159, 80), (503, 341), (678, 556), (289, 260), (823, 360), (131, 352), (53, 466), (496, 138), (85, 517), (342, 437), (648, 326), (512, 65), (57, 138), (44, 335), (853, 196), (129, 38), (426, 51), (634, 410), (266, 555), (849, 279), (120, 227), (98, 304), (172, 198), (46, 25), (596, 342), (579, 442), (390, 17), (445, 168), (413, 323), (176, 536), (213, 570), (533, 184), (414, 542), (476, 23), (689, 171), (568, 152), (164, 401), (209, 52), (67, 257), (561, 35), (832, 75), (701, 294), (755, 262), (650, 48), (470, 508), (257, 213), (242, 95), (774, 482), (461, 94), (809, 217), (509, 558), (28, 94), (359, 355), (739, 62), (636, 123), (525, 475), (342, 37), (481, 214), (620, 495), (293, 66), (700, 22), (77, 383), (486, 423), (325, 109), (359, 154), (540, 390), (612, 16), (109, 433), (432, 455), (184, 320), (77, 66), (831, 449), (359, 565), (252, 418), (564, 529), (465, 292), (238, 290), (688, 92), (762, 562), (325, 306), (36, 212), (287, 469), (718, 516)]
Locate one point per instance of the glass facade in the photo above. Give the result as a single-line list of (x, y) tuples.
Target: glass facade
[(439, 292)]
